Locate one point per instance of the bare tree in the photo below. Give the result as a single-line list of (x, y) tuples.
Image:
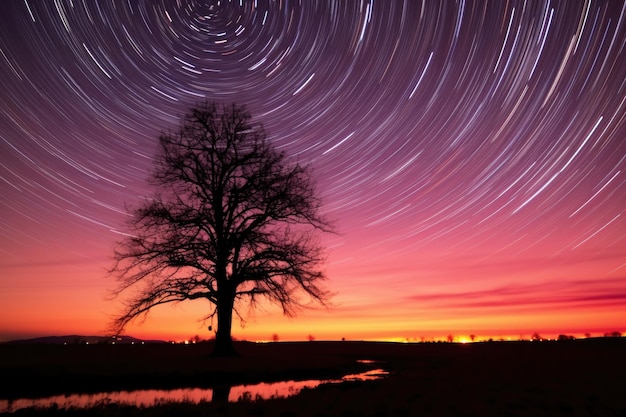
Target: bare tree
[(232, 220)]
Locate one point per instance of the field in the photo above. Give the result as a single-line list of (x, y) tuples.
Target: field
[(561, 378)]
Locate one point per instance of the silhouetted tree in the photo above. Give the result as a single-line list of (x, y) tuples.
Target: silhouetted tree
[(232, 220)]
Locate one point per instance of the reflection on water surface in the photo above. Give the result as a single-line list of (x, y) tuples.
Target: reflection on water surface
[(152, 397)]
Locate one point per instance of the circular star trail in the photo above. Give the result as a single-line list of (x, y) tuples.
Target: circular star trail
[(445, 137)]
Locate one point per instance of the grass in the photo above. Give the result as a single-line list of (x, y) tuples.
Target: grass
[(565, 378)]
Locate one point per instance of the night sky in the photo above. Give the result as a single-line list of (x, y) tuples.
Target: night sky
[(472, 155)]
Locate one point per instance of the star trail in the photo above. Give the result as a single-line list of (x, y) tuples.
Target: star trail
[(472, 154)]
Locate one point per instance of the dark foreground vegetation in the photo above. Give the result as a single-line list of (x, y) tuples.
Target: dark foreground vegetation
[(559, 378)]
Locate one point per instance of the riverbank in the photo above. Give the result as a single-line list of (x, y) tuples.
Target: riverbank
[(41, 370), (577, 377)]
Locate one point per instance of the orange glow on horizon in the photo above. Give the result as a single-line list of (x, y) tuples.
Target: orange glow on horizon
[(80, 309)]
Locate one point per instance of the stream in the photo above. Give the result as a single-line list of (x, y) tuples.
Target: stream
[(154, 397)]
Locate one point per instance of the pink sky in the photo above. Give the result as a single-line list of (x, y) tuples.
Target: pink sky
[(413, 299)]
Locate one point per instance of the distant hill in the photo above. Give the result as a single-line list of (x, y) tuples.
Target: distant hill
[(82, 340)]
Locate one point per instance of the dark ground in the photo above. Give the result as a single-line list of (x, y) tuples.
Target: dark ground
[(562, 378)]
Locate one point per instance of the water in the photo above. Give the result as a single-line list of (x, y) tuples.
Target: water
[(152, 397)]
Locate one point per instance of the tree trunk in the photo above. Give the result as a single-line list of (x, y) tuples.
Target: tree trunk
[(223, 339)]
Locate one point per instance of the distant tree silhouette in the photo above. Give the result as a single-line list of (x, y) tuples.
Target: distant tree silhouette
[(536, 337), (472, 337), (232, 220), (275, 337)]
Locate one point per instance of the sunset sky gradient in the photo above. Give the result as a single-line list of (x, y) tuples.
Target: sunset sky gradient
[(471, 153)]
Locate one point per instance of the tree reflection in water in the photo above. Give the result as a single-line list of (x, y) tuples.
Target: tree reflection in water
[(221, 394)]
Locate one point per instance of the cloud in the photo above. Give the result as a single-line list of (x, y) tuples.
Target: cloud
[(48, 263), (597, 292)]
